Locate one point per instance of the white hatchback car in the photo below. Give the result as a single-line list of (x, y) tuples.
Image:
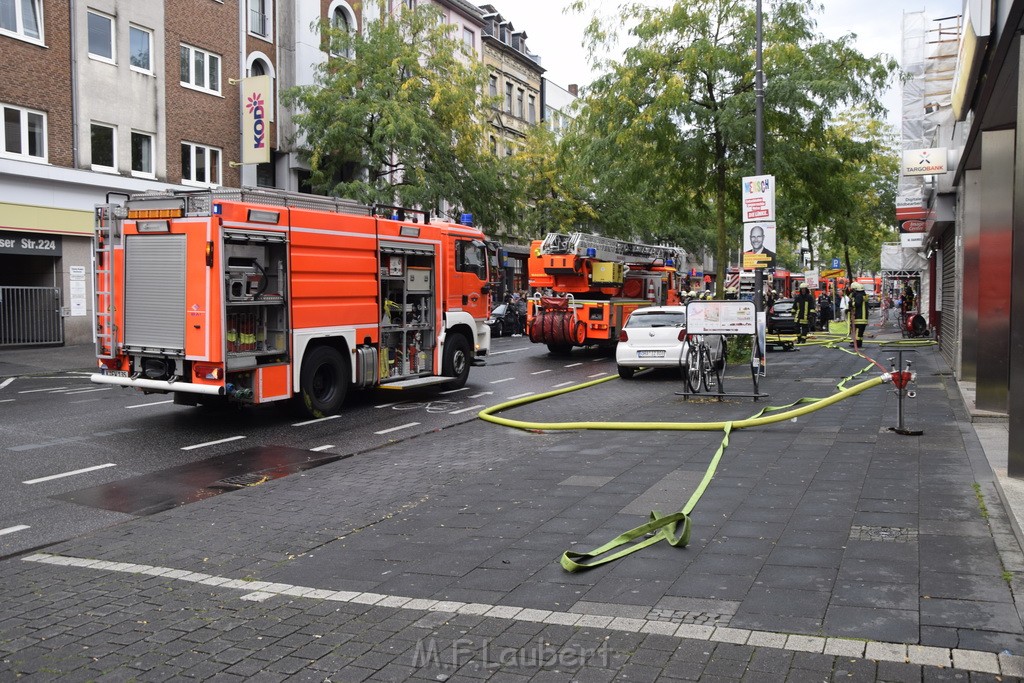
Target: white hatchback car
[(653, 337)]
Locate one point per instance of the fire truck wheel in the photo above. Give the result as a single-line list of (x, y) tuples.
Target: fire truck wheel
[(324, 381), (456, 360), (560, 349)]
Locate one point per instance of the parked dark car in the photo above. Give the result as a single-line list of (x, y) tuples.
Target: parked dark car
[(504, 321), (781, 319)]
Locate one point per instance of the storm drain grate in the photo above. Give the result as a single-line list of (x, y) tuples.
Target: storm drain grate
[(886, 534), (240, 481), (679, 616)]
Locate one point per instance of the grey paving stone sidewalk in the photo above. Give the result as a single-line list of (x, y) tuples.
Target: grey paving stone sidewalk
[(832, 526)]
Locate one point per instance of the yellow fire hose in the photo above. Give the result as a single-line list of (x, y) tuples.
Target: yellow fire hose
[(664, 527)]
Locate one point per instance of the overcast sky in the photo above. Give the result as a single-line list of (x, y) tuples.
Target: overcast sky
[(557, 36)]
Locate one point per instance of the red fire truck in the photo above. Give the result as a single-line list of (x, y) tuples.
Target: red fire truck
[(596, 283), (259, 295)]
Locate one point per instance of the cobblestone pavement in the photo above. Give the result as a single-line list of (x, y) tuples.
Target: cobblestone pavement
[(829, 548)]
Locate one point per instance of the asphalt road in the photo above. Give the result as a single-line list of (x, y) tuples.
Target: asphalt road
[(78, 456)]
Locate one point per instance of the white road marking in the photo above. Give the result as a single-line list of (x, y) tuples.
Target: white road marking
[(597, 360), (12, 529), (7, 400), (600, 374), (395, 429), (499, 381), (572, 365), (540, 372), (498, 353), (563, 384), (466, 410), (322, 448), (482, 393), (68, 474), (7, 381), (319, 419), (388, 405), (211, 443), (86, 391), (143, 405), (32, 391), (528, 393), (454, 391)]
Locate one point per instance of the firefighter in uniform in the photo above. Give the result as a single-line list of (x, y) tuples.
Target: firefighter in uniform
[(859, 313), (803, 307)]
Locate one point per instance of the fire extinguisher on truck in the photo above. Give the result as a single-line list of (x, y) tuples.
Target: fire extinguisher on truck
[(255, 296), (596, 282)]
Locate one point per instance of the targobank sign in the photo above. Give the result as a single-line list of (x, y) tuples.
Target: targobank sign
[(924, 161)]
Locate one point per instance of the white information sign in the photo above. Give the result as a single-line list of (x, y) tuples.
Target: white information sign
[(811, 278), (924, 161), (912, 240), (758, 198), (720, 317)]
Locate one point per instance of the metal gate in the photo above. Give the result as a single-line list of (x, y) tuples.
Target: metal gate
[(30, 315), (948, 334)]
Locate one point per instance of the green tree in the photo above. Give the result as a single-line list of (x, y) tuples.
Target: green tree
[(668, 131), (396, 116)]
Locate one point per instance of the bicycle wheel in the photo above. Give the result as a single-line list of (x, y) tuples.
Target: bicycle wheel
[(693, 369), (719, 366), (707, 369)]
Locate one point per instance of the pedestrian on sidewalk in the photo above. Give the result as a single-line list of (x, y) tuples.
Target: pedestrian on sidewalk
[(844, 310), (803, 305), (858, 314)]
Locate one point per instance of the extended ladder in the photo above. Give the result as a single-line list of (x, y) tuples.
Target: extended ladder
[(607, 248)]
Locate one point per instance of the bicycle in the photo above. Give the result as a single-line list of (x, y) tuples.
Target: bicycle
[(703, 369)]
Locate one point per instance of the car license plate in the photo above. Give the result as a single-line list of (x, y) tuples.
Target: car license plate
[(660, 353), (118, 373)]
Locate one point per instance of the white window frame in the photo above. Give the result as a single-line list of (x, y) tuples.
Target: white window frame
[(135, 27), (193, 148), (113, 148), (531, 113), (340, 6), (268, 14), (152, 155), (23, 126), (112, 59), (19, 24), (191, 83), (469, 38)]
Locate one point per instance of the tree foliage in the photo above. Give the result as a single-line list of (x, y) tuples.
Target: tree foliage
[(396, 116), (668, 131)]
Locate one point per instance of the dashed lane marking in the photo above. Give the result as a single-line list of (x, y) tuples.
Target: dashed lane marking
[(528, 393), (572, 365), (6, 382), (395, 429), (454, 391), (482, 393), (540, 372), (14, 529), (86, 391), (322, 448), (563, 384), (144, 405), (7, 400), (313, 422), (69, 474), (506, 379), (970, 660), (466, 410), (600, 374), (211, 443), (33, 391)]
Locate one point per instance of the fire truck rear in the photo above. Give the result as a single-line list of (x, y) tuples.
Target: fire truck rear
[(255, 296), (596, 283)]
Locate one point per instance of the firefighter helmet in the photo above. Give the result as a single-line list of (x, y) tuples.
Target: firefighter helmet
[(857, 287)]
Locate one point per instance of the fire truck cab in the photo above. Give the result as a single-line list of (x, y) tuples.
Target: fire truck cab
[(254, 296)]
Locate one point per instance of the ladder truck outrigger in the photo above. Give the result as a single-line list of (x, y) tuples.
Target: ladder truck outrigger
[(595, 282), (257, 295)]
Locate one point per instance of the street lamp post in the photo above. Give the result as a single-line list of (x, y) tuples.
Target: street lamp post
[(758, 145)]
